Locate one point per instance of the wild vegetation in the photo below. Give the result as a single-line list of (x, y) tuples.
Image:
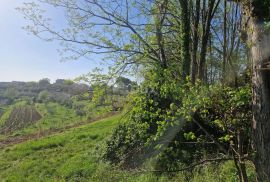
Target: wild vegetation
[(42, 107), (200, 113), (74, 156)]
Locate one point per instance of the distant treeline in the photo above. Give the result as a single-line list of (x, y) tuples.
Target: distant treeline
[(61, 91), (9, 91)]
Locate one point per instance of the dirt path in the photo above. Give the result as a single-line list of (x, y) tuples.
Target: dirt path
[(9, 141)]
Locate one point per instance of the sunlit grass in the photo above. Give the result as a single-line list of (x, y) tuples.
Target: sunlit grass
[(66, 156), (74, 156)]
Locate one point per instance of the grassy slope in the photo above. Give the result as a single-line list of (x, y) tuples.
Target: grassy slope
[(66, 156), (69, 156), (72, 156), (54, 116)]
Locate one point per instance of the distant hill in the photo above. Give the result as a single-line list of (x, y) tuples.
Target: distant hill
[(29, 107), (61, 89)]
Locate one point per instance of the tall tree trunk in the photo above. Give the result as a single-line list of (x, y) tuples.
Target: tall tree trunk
[(185, 52), (260, 52), (194, 66), (259, 39), (160, 17), (224, 42), (205, 37)]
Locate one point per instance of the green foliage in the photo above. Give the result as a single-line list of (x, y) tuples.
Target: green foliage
[(68, 82), (222, 172), (222, 111), (5, 116), (125, 143), (43, 96), (171, 121), (267, 26), (72, 156), (11, 93), (161, 123), (189, 136), (43, 83), (63, 103)]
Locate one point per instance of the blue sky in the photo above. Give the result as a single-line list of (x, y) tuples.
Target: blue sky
[(24, 57)]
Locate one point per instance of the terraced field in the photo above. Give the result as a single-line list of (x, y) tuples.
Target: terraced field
[(20, 117)]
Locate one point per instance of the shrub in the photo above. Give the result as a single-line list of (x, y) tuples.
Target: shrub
[(175, 125)]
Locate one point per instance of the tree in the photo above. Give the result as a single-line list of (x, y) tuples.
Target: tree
[(43, 83), (43, 96), (256, 16), (11, 93), (123, 84), (154, 36), (208, 14), (195, 34), (185, 12), (99, 27)]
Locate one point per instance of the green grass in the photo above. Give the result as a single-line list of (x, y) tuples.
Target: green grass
[(54, 116), (4, 117), (69, 156), (74, 156), (62, 157)]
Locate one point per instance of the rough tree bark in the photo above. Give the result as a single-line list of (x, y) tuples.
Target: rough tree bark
[(259, 41), (261, 97)]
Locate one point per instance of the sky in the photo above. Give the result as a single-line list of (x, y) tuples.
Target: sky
[(24, 57)]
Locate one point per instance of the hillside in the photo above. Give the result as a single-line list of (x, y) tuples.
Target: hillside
[(50, 140), (18, 119), (64, 156), (27, 108), (33, 88)]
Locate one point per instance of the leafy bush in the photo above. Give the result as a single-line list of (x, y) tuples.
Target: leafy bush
[(175, 129)]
